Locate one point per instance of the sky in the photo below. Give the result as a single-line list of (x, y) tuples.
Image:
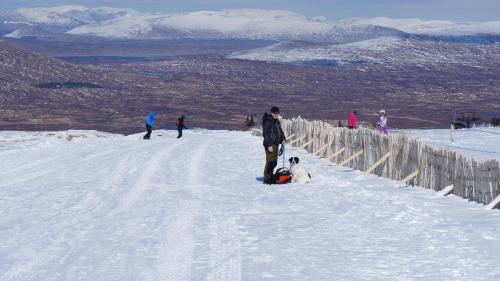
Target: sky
[(455, 10)]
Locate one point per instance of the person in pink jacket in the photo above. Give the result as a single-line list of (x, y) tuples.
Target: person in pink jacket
[(352, 119)]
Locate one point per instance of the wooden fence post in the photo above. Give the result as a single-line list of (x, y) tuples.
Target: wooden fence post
[(321, 149), (452, 132), (333, 155), (378, 163), (445, 191), (494, 203), (351, 158), (307, 143), (296, 140), (409, 178)]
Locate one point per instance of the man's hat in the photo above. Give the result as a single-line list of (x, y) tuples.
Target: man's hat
[(275, 109)]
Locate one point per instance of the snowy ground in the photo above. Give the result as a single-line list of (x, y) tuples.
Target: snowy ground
[(479, 142), (119, 208)]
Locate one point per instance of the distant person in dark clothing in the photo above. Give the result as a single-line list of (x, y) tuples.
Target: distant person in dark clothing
[(352, 119), (273, 136), (179, 123), (250, 122), (150, 119)]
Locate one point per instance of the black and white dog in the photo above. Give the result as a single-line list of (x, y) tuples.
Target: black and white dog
[(299, 173)]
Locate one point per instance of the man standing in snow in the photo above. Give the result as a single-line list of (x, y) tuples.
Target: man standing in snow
[(149, 124), (352, 119), (273, 136), (180, 125)]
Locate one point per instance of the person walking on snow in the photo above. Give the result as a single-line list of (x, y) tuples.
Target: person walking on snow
[(273, 136), (352, 119), (149, 125), (179, 123), (382, 123)]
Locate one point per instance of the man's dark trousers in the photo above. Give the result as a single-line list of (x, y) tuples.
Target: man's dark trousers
[(149, 129), (271, 163)]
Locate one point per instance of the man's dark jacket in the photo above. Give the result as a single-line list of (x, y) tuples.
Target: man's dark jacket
[(271, 129), (180, 123)]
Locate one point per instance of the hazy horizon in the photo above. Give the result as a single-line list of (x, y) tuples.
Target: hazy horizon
[(458, 10)]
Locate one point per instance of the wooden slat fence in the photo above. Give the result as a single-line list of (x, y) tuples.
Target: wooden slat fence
[(437, 167)]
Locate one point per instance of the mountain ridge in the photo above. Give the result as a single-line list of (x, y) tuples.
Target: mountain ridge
[(225, 24)]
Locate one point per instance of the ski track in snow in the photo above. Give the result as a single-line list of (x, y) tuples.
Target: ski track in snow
[(144, 181), (90, 204), (225, 252), (176, 253), (39, 168), (224, 246), (192, 209)]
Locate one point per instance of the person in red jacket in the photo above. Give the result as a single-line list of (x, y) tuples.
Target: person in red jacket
[(352, 119)]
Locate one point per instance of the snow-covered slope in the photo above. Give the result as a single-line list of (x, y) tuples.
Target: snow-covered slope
[(15, 141), (297, 52), (433, 27), (390, 51), (276, 24), (35, 21), (257, 22), (234, 24), (71, 15), (120, 208), (478, 142)]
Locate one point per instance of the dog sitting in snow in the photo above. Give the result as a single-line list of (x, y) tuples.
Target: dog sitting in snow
[(299, 173)]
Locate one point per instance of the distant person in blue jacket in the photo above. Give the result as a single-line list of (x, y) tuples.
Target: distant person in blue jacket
[(150, 119)]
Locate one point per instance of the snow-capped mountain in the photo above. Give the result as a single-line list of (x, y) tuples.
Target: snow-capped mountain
[(233, 24), (226, 24), (296, 38), (33, 21), (71, 15)]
